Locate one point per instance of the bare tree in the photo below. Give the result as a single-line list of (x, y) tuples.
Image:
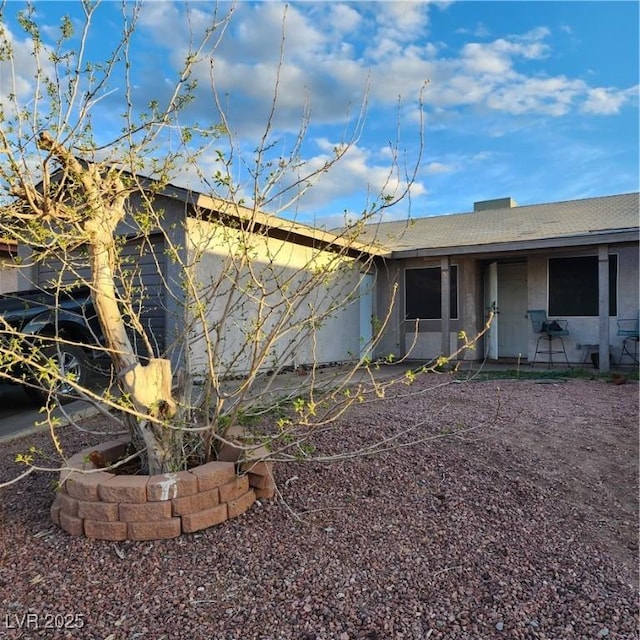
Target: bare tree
[(253, 294)]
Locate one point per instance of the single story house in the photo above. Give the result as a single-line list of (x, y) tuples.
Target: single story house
[(420, 283), (576, 260)]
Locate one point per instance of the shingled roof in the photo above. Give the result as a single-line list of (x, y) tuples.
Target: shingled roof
[(556, 224)]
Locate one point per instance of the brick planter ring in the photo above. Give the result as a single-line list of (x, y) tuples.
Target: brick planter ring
[(107, 506)]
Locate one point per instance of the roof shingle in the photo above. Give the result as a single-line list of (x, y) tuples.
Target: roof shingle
[(509, 225)]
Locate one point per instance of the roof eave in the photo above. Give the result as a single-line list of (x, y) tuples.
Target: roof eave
[(270, 225), (289, 230), (559, 242), (8, 246)]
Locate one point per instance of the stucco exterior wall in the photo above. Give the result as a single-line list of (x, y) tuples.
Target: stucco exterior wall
[(389, 309), (471, 307), (276, 290), (427, 345), (628, 281), (8, 274)]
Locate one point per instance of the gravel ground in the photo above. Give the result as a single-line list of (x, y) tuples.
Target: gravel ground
[(521, 525)]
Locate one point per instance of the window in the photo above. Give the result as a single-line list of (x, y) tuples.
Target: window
[(573, 286), (423, 290)]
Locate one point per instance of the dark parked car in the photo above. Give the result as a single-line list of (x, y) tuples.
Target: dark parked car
[(59, 325)]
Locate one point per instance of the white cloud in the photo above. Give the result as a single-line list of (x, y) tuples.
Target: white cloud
[(438, 167), (160, 16), (489, 59), (18, 74), (260, 30), (402, 21), (458, 90), (479, 31), (359, 178), (548, 96), (343, 18), (497, 57), (601, 101), (360, 170)]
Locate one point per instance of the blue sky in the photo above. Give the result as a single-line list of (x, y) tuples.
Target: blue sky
[(533, 100)]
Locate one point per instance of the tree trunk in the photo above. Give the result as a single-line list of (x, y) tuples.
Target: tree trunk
[(101, 207), (148, 386)]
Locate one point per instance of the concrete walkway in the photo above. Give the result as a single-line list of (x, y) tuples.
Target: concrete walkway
[(19, 416)]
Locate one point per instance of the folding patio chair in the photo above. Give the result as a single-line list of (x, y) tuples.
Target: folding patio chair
[(628, 330), (548, 330)]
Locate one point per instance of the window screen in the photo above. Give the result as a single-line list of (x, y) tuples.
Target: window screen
[(573, 286), (423, 288)]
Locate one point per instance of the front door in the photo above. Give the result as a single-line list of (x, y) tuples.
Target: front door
[(506, 295), (513, 335)]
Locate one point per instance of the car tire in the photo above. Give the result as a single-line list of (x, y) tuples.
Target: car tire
[(70, 359)]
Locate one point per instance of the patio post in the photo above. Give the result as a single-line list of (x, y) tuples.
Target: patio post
[(603, 307)]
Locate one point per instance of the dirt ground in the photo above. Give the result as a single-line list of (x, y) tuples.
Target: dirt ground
[(579, 440), (576, 438), (513, 514)]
